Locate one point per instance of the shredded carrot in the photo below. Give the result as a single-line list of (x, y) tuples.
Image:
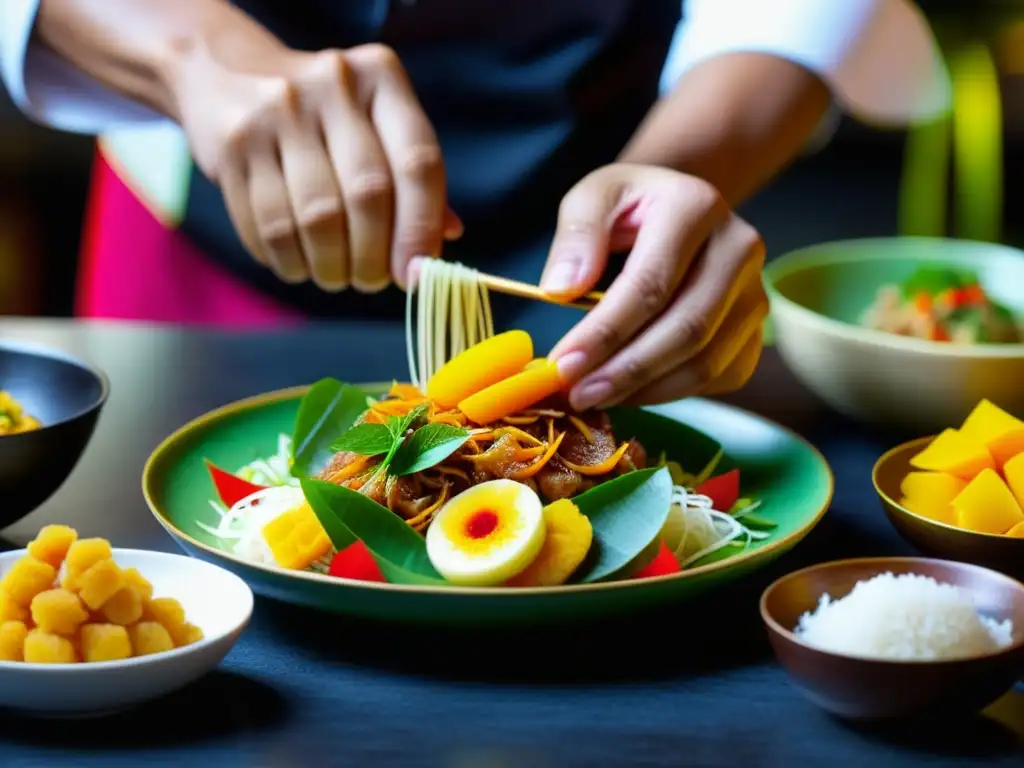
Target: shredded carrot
[(521, 421), (538, 465), (583, 428), (428, 513), (488, 437), (517, 432), (525, 454), (372, 417), (350, 470), (455, 418), (397, 407), (603, 468), (405, 392)]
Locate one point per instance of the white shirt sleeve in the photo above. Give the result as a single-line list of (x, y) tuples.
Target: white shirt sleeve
[(879, 57), (51, 90)]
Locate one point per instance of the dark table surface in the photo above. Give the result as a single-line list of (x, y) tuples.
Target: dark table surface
[(694, 685)]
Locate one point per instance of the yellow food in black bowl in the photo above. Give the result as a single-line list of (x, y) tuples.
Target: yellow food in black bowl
[(13, 418)]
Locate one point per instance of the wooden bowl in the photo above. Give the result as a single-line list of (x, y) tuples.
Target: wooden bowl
[(1002, 553), (872, 689), (67, 396)]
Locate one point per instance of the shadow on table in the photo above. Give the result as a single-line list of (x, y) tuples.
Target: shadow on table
[(220, 705), (972, 737), (716, 632)]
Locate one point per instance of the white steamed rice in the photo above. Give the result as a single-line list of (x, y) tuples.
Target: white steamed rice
[(903, 617)]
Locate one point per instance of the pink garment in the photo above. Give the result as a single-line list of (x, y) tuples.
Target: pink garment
[(134, 268)]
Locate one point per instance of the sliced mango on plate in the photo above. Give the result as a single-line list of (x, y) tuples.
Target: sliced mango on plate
[(514, 394), (480, 366), (931, 494), (956, 454), (987, 505), (1000, 432)]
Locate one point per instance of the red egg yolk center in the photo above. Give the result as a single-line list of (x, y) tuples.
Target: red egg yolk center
[(481, 524)]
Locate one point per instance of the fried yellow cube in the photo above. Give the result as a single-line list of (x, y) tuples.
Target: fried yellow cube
[(100, 583), (189, 634), (27, 578), (10, 610), (125, 607), (170, 614), (105, 642), (83, 555), (51, 544), (141, 584), (58, 611), (149, 637), (43, 647), (12, 640)]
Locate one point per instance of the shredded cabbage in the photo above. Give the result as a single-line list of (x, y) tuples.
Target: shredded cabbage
[(694, 528), (241, 527)]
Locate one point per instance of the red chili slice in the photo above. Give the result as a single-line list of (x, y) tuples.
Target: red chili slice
[(662, 564), (723, 490), (231, 488), (356, 562)]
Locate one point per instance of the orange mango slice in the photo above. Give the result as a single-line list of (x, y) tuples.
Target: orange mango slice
[(956, 454), (514, 394), (566, 546), (986, 505), (1017, 531), (1000, 432), (1013, 471), (931, 494), (479, 367)]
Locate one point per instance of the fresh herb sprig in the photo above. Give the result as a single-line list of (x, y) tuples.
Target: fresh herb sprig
[(405, 452)]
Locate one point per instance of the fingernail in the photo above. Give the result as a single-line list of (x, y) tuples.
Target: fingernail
[(453, 231), (560, 278), (590, 393), (572, 365)]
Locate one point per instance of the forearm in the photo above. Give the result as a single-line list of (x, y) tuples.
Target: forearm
[(140, 48), (734, 120)]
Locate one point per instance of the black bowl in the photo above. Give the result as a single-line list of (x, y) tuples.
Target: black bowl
[(66, 395)]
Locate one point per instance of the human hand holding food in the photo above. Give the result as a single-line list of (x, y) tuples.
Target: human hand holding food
[(329, 167), (684, 316)]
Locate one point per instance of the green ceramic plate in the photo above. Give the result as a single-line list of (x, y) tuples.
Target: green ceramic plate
[(790, 478)]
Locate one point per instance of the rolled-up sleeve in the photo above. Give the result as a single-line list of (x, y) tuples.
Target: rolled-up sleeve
[(51, 90), (879, 57)]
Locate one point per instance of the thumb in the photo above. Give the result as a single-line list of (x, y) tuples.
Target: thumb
[(579, 251)]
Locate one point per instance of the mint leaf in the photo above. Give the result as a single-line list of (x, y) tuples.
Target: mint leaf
[(399, 425), (365, 439), (427, 446)]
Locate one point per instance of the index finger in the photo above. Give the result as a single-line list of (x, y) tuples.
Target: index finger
[(417, 166), (676, 225)]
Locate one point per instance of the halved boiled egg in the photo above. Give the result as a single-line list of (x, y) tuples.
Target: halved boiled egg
[(487, 534)]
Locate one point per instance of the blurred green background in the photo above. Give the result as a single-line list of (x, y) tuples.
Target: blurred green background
[(961, 176)]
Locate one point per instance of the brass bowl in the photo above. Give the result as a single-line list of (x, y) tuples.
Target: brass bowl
[(1002, 553), (863, 688)]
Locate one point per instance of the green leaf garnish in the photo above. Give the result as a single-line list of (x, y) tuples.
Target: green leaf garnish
[(365, 439), (400, 552), (627, 514), (934, 280), (427, 446), (399, 425), (327, 410)]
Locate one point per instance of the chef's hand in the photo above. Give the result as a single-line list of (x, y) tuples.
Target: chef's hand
[(684, 316), (329, 167)]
